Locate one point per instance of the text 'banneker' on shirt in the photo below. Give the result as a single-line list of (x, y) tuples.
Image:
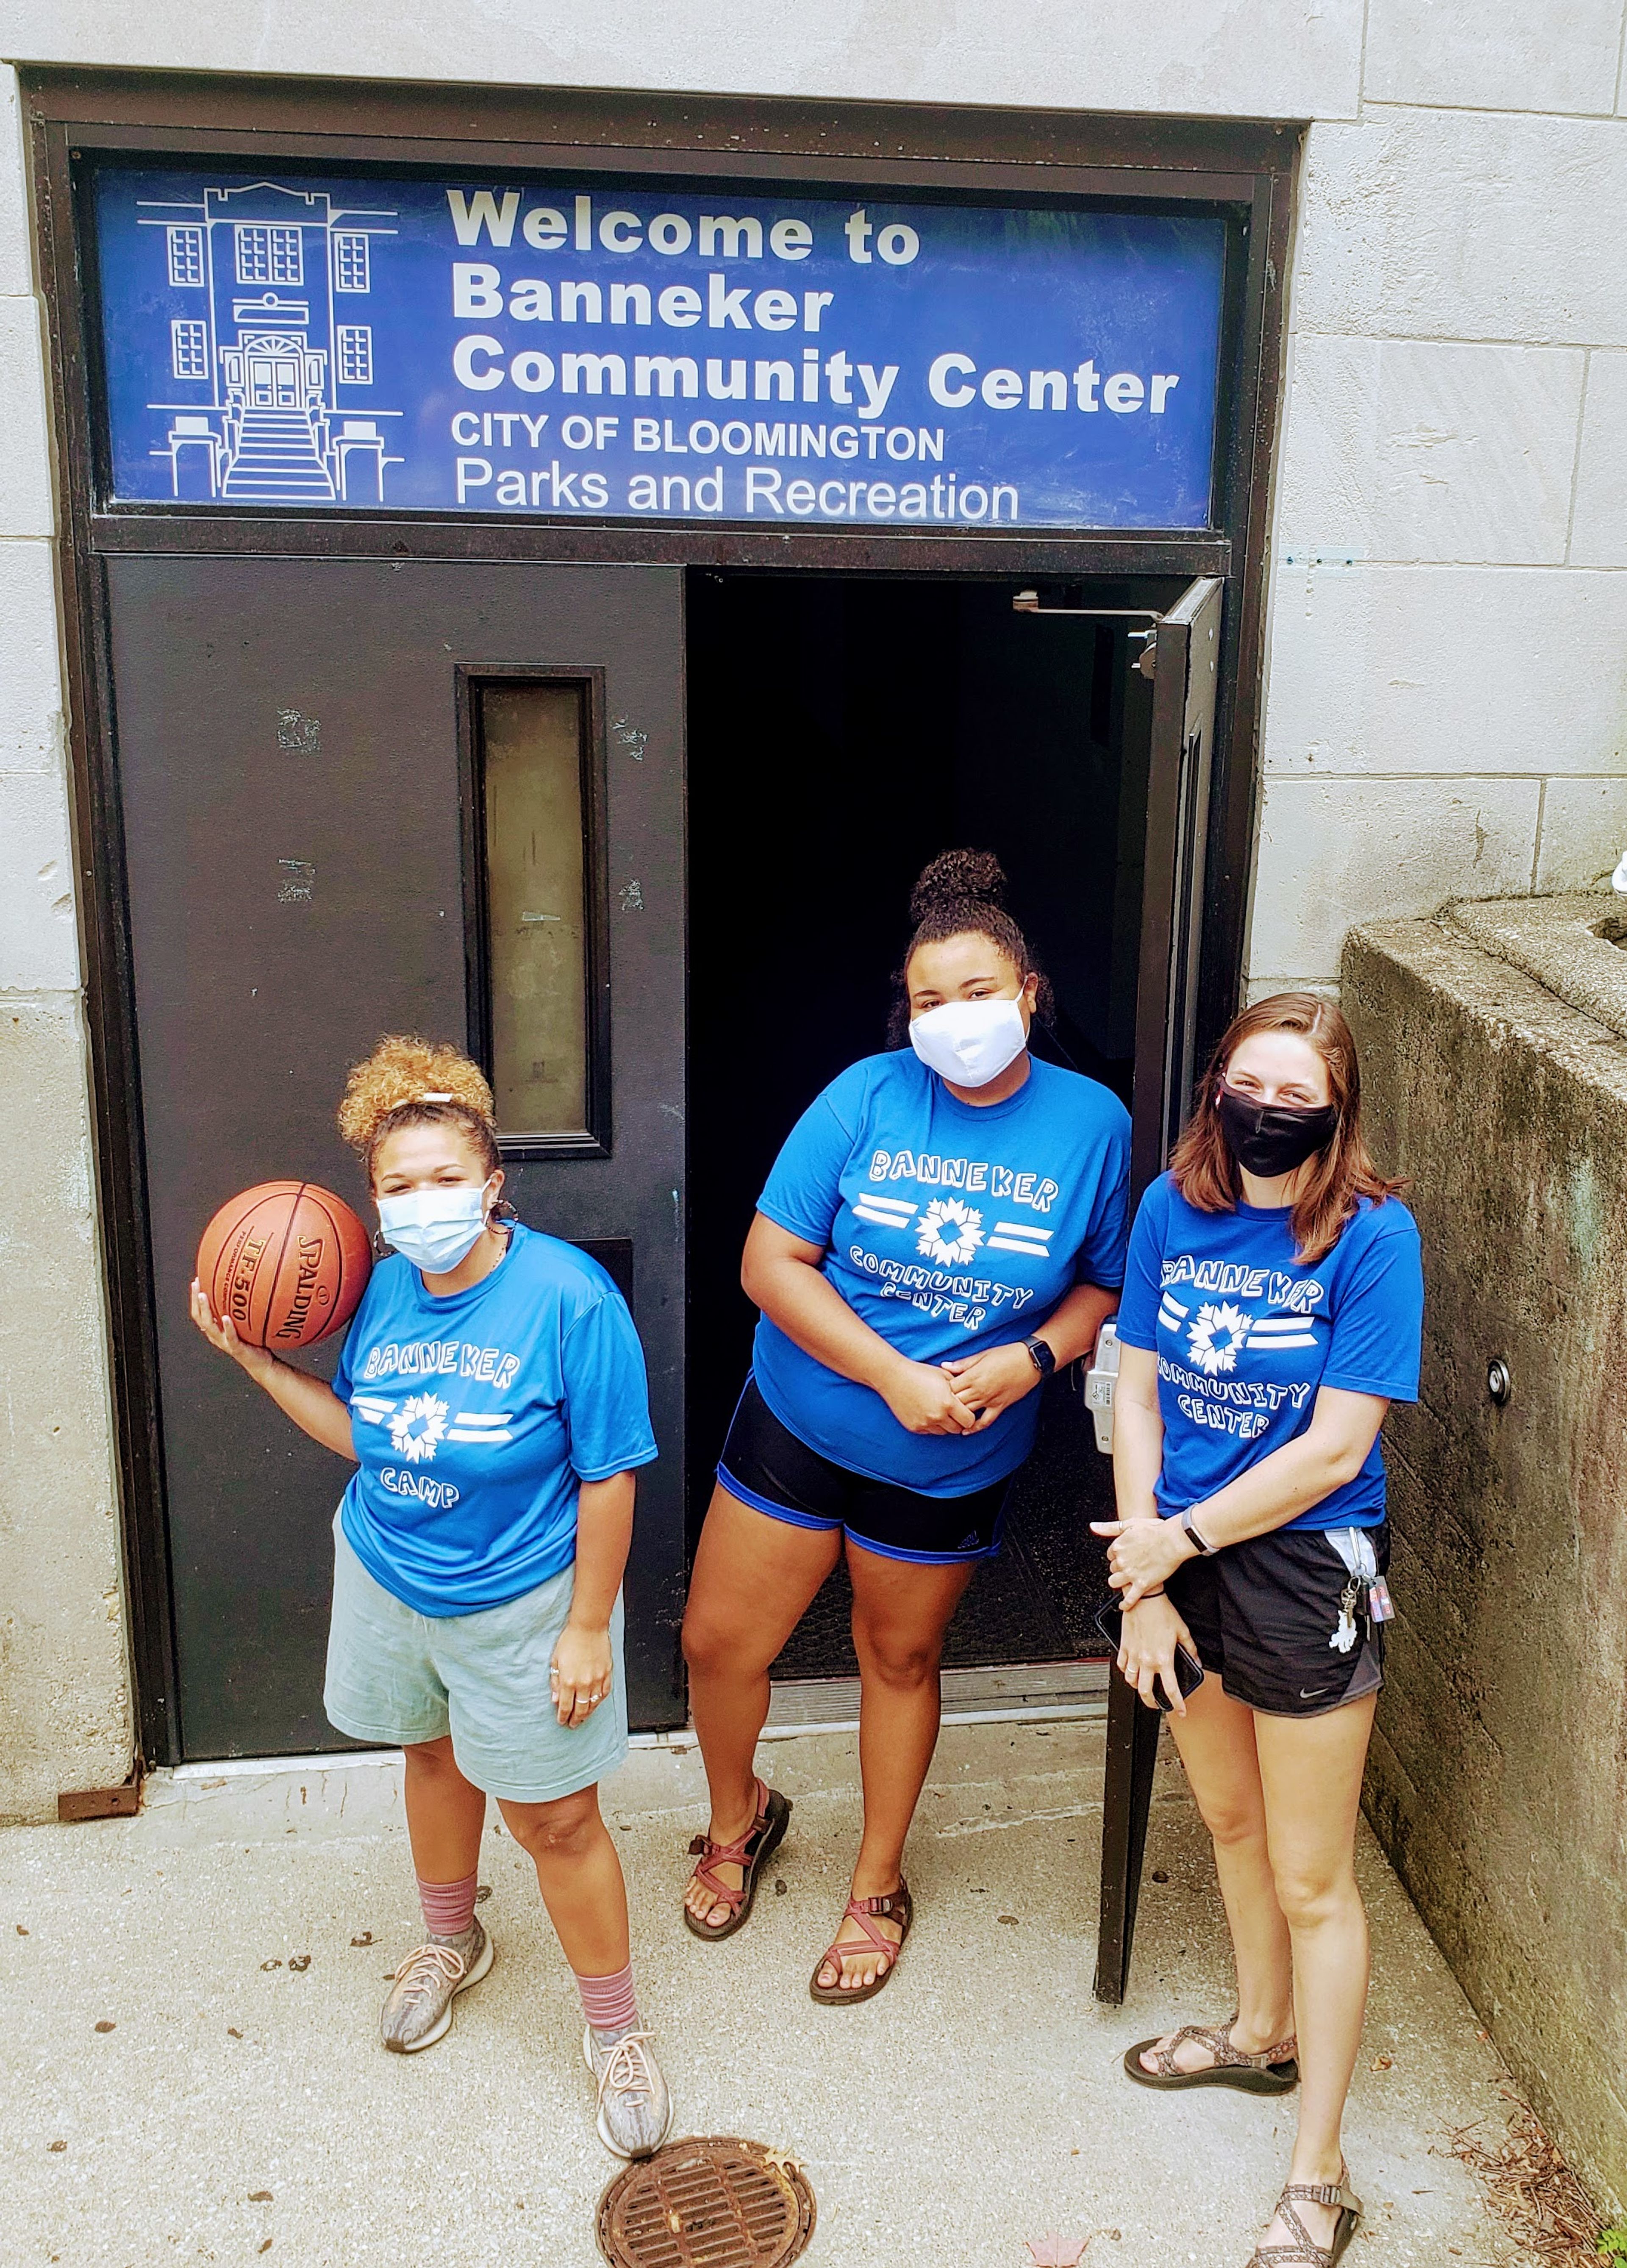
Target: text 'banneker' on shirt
[(948, 1229), (1246, 1334), (475, 1418)]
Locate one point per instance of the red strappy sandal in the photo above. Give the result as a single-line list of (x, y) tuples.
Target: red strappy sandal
[(758, 1844), (897, 1906)]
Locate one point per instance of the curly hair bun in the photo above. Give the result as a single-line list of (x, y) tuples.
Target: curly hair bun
[(958, 877), (401, 1071)]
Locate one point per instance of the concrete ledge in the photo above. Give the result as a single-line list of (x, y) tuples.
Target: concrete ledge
[(1572, 945), (252, 1799), (259, 1799), (1498, 1777)]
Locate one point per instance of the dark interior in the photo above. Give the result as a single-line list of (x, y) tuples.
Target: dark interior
[(843, 730)]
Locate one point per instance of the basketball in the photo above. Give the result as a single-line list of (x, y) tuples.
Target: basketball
[(288, 1261)]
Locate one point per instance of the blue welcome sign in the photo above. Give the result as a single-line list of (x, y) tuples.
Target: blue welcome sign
[(623, 352)]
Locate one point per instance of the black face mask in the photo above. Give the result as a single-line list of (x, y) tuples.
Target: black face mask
[(1271, 1139)]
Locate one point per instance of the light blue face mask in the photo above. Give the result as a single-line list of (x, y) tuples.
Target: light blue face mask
[(434, 1228)]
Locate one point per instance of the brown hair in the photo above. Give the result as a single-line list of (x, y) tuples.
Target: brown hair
[(1203, 1169), (413, 1082), (961, 893)]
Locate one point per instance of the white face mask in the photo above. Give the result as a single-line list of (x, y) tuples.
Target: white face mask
[(434, 1228), (969, 1043)]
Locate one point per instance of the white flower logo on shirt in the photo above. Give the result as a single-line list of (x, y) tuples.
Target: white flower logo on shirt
[(950, 1232), (416, 1427), (1216, 1336)]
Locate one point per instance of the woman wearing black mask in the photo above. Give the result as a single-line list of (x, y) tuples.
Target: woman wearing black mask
[(1272, 1310)]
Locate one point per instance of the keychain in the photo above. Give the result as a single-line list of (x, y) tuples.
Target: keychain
[(1344, 1638), (1354, 1546)]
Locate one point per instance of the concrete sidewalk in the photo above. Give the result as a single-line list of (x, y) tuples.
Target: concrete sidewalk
[(977, 2102)]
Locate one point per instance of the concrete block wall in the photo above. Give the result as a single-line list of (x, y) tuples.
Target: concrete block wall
[(1447, 703), (65, 1686)]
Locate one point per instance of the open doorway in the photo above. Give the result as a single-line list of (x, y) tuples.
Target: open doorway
[(843, 730)]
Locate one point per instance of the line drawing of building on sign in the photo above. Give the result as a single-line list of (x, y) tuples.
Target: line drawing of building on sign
[(274, 355)]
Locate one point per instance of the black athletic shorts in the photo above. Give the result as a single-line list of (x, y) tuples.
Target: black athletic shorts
[(767, 1467), (1262, 1615)]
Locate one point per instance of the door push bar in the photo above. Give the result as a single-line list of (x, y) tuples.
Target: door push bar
[(1028, 602)]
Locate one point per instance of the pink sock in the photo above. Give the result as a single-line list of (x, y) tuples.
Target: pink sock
[(608, 2002), (448, 1907)]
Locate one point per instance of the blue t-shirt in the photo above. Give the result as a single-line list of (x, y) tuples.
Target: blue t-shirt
[(1245, 1335), (477, 1416), (949, 1229)]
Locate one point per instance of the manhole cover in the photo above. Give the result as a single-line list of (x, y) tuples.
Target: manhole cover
[(707, 2202)]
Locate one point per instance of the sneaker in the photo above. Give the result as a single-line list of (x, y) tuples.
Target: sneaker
[(635, 2108), (418, 2010)]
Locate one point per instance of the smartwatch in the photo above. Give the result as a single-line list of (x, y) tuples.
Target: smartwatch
[(1199, 1543), (1041, 1356)]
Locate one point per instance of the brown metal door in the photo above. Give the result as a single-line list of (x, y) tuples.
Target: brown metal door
[(1184, 660), (301, 747)]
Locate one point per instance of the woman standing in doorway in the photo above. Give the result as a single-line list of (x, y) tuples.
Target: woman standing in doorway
[(1272, 1310), (944, 1226), (491, 1392)]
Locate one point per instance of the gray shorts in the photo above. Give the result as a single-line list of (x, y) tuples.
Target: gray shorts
[(399, 1677)]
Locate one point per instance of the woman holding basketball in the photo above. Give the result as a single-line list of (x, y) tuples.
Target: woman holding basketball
[(1272, 1311), (491, 1393), (945, 1224)]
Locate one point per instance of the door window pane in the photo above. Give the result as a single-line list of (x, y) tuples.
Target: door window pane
[(535, 861)]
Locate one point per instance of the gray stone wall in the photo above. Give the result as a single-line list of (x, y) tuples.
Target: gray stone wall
[(65, 1686), (1499, 1778)]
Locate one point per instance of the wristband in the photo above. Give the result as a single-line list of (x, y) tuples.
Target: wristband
[(1199, 1543)]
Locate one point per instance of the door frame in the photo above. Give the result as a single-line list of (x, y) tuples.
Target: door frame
[(1246, 170)]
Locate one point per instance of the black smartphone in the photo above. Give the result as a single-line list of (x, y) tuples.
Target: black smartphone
[(1189, 1669)]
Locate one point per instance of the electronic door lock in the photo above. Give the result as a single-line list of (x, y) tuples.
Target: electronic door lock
[(1101, 1379)]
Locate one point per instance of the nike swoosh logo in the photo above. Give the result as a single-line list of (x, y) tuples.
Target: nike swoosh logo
[(1317, 1695)]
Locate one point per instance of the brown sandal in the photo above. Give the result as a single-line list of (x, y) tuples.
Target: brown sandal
[(1305, 2252), (897, 1906), (1274, 2071), (758, 1844)]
